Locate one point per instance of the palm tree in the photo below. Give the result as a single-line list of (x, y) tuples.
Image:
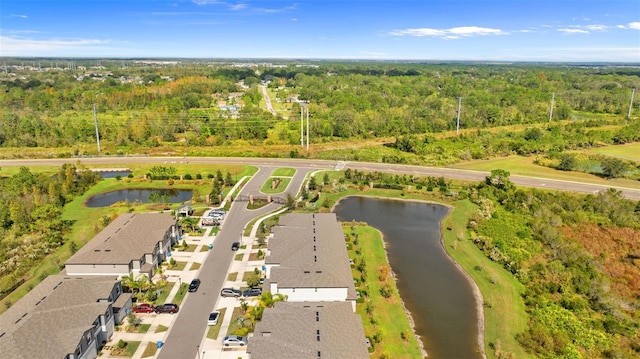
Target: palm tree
[(189, 222), (267, 300)]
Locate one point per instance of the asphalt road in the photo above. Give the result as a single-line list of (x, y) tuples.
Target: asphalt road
[(189, 328), (449, 173)]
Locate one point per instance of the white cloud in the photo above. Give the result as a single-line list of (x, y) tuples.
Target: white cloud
[(634, 25), (16, 45), (451, 33), (237, 7), (596, 27), (573, 31), (206, 2), (19, 15)]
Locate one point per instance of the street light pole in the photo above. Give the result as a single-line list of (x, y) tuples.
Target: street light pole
[(180, 285), (95, 121), (198, 350)]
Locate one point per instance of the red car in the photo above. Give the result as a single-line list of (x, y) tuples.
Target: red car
[(144, 308)]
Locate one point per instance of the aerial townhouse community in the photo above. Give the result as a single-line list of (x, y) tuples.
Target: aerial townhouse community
[(73, 315)]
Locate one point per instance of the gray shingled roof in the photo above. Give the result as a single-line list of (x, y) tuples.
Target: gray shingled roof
[(50, 320), (310, 251), (301, 330), (127, 238)]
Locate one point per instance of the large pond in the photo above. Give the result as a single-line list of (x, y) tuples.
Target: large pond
[(438, 296), (140, 195)]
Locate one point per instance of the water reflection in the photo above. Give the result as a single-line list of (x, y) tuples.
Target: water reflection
[(169, 195), (437, 294)]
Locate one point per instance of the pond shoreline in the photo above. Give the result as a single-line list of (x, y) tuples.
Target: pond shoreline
[(477, 295)]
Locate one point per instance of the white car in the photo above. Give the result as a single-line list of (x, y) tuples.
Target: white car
[(213, 318), (234, 341)]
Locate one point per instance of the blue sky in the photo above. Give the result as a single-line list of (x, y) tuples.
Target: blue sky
[(500, 30)]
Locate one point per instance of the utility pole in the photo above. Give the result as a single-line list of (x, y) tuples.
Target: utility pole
[(307, 128), (553, 97), (458, 119), (633, 91), (95, 121), (301, 126)]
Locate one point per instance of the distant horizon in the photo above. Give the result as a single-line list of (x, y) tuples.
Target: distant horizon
[(86, 58), (560, 31)]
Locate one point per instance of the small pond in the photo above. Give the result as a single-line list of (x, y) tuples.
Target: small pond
[(114, 174), (140, 195)]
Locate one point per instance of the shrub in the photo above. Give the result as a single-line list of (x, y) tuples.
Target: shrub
[(187, 177), (122, 344)]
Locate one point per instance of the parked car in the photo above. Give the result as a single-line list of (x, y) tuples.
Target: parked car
[(235, 246), (253, 292), (143, 308), (167, 308), (213, 318), (210, 222), (194, 285), (230, 292), (234, 340)]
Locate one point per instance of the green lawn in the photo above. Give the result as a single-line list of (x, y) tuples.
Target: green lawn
[(150, 350), (190, 248), (232, 276), (283, 172), (182, 292), (235, 325), (500, 290), (214, 330), (282, 185), (162, 328), (389, 317), (127, 351), (180, 265), (164, 294), (140, 328), (195, 266)]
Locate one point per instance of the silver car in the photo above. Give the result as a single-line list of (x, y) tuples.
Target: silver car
[(234, 341)]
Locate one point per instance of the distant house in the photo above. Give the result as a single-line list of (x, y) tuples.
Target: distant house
[(63, 317), (132, 243), (307, 259), (308, 330)]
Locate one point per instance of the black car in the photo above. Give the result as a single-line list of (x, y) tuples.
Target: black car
[(253, 292), (194, 285), (235, 246), (230, 292), (167, 308)]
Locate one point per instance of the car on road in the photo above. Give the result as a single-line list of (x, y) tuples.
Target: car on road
[(234, 341), (167, 308), (213, 318), (194, 285), (235, 246), (143, 308), (253, 292), (230, 292)]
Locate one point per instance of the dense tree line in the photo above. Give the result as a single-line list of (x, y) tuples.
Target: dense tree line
[(148, 106), (31, 226)]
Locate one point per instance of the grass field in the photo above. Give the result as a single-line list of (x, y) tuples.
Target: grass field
[(629, 151), (214, 330), (524, 166)]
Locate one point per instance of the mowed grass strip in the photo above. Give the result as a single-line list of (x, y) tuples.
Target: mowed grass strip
[(391, 320), (503, 306), (284, 172)]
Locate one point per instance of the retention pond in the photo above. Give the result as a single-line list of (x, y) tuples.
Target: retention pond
[(437, 294)]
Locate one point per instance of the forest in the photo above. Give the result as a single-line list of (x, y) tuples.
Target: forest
[(576, 256)]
